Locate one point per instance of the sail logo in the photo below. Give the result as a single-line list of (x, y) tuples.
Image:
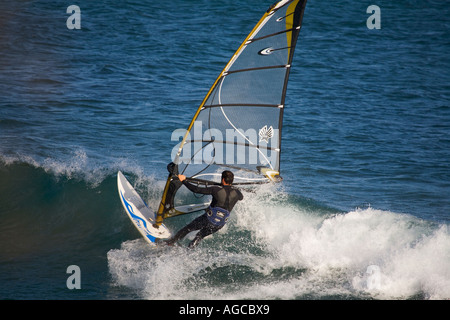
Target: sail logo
[(231, 146), (265, 133), (265, 51)]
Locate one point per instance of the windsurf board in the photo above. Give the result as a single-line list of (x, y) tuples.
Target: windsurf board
[(139, 213)]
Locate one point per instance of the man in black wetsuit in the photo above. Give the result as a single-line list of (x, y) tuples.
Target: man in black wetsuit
[(224, 198)]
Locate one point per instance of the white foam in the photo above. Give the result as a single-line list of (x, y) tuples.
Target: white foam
[(420, 266), (79, 165), (363, 253), (409, 255)]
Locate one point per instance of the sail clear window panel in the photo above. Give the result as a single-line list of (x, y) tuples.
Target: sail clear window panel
[(262, 86)]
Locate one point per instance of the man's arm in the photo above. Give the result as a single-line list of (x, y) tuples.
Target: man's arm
[(194, 188)]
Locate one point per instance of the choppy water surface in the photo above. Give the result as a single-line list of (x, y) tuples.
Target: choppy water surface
[(363, 211)]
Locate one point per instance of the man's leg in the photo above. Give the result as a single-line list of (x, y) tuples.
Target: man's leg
[(196, 224), (205, 231)]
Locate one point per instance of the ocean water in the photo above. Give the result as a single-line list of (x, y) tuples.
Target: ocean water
[(364, 208)]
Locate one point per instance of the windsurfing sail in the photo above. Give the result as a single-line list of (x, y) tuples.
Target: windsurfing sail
[(238, 125)]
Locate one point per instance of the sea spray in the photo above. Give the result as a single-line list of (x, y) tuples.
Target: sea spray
[(276, 248)]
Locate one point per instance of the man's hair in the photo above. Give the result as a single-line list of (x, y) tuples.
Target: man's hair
[(228, 176)]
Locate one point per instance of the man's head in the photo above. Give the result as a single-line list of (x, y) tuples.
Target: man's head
[(227, 177)]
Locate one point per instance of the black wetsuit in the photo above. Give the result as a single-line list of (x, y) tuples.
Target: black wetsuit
[(223, 197)]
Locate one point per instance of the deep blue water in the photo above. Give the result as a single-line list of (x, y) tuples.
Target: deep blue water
[(365, 152)]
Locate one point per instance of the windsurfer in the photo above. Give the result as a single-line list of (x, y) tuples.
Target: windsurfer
[(224, 197)]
